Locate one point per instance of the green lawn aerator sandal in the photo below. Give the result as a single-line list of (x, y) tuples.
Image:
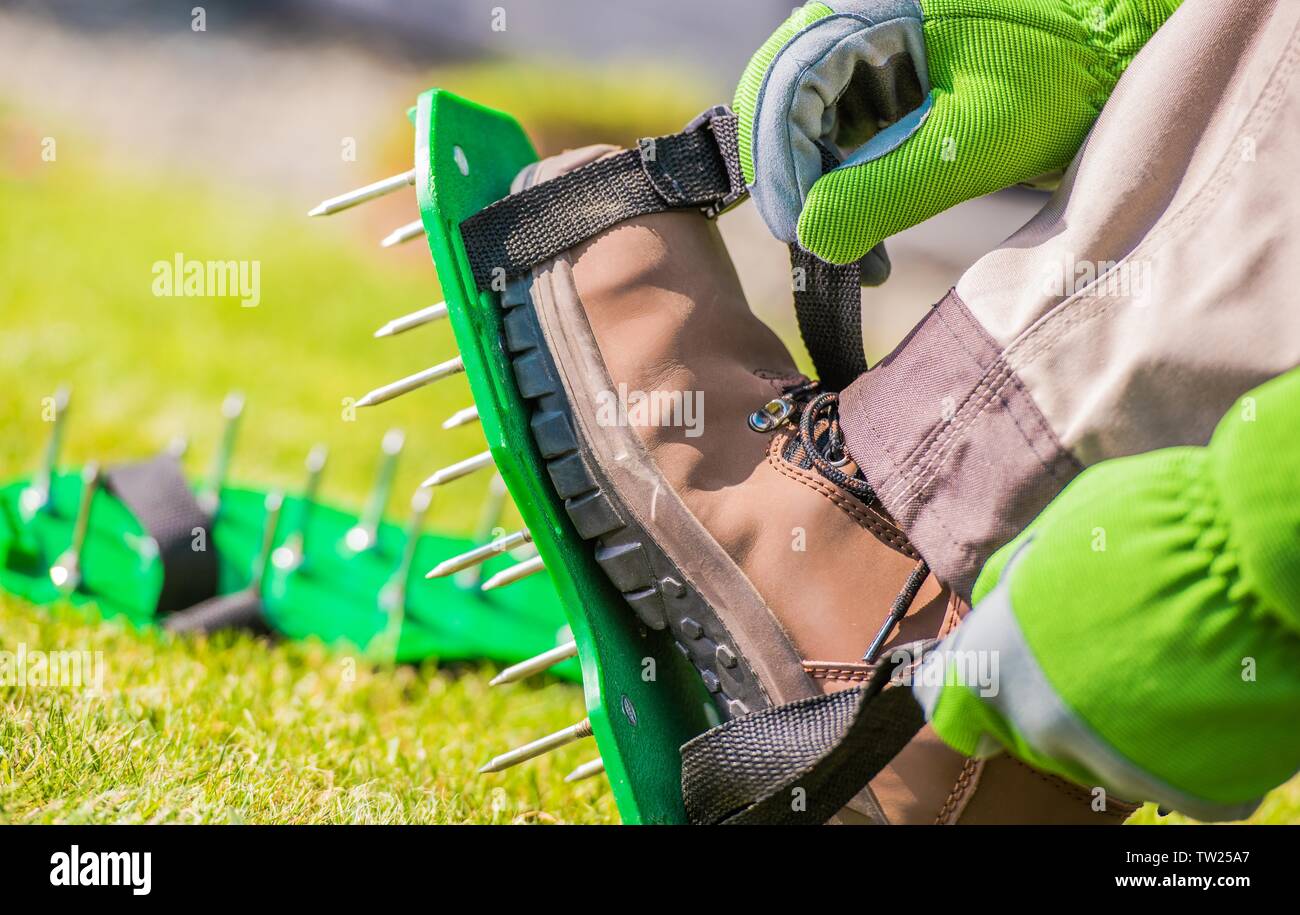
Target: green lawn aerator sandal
[(644, 699), (737, 596), (141, 544)]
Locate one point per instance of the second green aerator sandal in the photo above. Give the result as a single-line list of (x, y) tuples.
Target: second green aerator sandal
[(142, 544)]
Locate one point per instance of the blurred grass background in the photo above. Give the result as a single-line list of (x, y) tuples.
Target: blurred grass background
[(231, 730)]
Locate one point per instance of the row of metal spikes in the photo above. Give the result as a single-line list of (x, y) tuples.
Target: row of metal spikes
[(455, 471)]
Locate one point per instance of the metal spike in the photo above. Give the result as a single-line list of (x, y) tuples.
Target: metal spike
[(514, 573), (460, 469), (489, 519), (178, 447), (411, 382), (66, 571), (461, 418), (362, 194), (290, 555), (392, 597), (232, 408), (274, 502), (413, 320), (546, 744), (526, 551), (365, 533), (479, 555), (403, 233), (586, 770), (36, 495), (536, 664)]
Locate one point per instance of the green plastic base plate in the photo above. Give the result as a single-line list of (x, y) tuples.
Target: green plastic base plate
[(643, 698), (332, 596), (116, 561)]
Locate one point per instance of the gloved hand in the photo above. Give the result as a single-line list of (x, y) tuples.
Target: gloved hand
[(1146, 626), (933, 101)]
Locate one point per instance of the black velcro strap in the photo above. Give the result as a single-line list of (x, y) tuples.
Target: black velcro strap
[(698, 168), (157, 494), (695, 169), (800, 763), (241, 610), (828, 305)]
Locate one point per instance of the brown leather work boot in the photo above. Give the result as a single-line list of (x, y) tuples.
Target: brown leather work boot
[(763, 552)]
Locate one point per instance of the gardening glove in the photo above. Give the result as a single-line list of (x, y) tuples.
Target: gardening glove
[(1143, 633), (933, 102)]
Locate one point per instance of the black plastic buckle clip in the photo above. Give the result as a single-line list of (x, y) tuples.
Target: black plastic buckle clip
[(730, 159)]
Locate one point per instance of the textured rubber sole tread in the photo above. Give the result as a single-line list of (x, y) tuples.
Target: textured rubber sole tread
[(654, 588)]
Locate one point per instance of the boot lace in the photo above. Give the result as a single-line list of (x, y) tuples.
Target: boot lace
[(819, 443), (822, 440)]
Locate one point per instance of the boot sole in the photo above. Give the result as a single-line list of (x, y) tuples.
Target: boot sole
[(652, 583), (653, 586)]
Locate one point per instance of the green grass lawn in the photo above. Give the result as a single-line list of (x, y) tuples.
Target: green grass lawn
[(228, 731), (234, 730)]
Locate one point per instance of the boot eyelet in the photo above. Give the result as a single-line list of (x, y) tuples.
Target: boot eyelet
[(772, 414), (843, 459)]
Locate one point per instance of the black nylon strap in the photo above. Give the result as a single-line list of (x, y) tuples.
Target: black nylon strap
[(241, 610), (697, 168), (157, 494), (746, 772), (828, 306)]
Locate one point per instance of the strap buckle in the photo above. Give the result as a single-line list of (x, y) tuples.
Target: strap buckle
[(725, 138)]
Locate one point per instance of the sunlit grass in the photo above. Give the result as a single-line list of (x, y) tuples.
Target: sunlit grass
[(229, 731)]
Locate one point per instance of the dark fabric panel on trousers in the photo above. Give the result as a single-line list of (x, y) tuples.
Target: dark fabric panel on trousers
[(953, 444)]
